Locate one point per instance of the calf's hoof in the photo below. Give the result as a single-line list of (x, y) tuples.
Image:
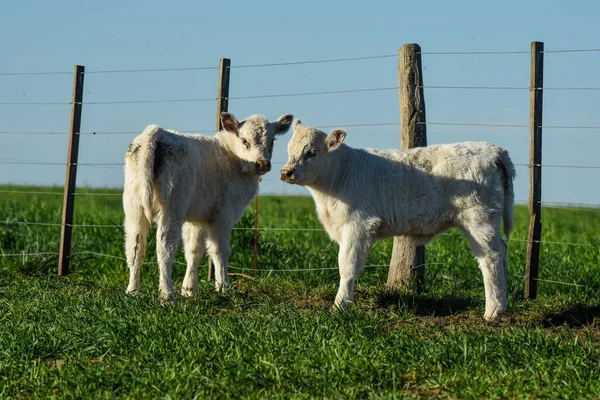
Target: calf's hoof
[(166, 297), (222, 288), (493, 318), (188, 292), (166, 303), (341, 305)]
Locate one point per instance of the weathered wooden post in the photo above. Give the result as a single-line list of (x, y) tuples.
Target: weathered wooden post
[(222, 105), (71, 175), (407, 269), (536, 95)]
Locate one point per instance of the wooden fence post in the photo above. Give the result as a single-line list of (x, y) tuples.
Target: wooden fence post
[(71, 175), (222, 105), (407, 269), (536, 96)]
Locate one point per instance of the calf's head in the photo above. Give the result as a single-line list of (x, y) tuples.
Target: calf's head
[(254, 139), (308, 150)]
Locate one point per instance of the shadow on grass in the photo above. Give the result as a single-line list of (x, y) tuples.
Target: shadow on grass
[(423, 305), (578, 316)]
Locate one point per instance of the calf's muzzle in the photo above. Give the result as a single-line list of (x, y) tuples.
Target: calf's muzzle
[(287, 174), (263, 166)]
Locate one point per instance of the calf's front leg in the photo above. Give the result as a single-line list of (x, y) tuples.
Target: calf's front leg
[(354, 247)]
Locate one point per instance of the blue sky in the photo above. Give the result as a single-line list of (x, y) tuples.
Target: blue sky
[(111, 35)]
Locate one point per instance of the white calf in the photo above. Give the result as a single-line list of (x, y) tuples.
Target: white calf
[(196, 183), (365, 194)]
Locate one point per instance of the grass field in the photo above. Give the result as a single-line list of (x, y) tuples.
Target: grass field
[(275, 336)]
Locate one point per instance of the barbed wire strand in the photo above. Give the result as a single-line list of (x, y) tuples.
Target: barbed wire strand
[(571, 204), (368, 124), (194, 100), (263, 96), (473, 87), (32, 163), (474, 124), (570, 88), (29, 223), (454, 53), (306, 269), (342, 125), (27, 162), (551, 281), (320, 61), (569, 127), (275, 229), (99, 133), (28, 192), (117, 257), (35, 103), (312, 93), (557, 166), (62, 163), (140, 131), (36, 73), (570, 51), (509, 125), (96, 194), (179, 69), (331, 60), (120, 71), (32, 133), (24, 255), (581, 206), (29, 254)]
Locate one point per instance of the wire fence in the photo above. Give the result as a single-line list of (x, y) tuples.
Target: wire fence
[(276, 229), (121, 165), (325, 126), (583, 206), (301, 62), (297, 94), (26, 255)]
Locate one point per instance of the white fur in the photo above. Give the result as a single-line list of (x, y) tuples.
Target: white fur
[(197, 185), (365, 194)]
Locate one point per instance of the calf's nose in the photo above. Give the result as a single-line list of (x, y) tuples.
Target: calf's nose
[(286, 173), (263, 165)]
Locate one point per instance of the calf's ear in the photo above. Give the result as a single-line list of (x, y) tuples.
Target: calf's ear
[(283, 123), (230, 122), (335, 138), (296, 123)]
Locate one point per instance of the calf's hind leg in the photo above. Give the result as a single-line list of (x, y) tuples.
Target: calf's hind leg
[(193, 243), (168, 234), (490, 251), (136, 237)]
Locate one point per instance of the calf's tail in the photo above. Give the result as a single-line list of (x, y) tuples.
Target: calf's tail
[(508, 174)]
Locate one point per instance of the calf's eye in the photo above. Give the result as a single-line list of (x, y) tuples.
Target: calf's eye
[(310, 154), (246, 143)]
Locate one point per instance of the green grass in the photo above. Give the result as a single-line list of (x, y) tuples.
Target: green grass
[(275, 336)]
